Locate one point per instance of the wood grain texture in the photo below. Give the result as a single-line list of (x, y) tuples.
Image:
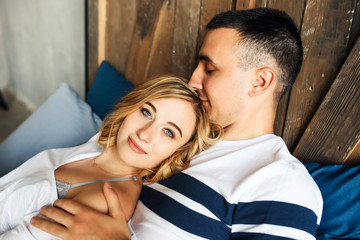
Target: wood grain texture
[(295, 10), (91, 42), (335, 128), (120, 22), (144, 38), (147, 14), (209, 8), (160, 61), (355, 27), (325, 34), (248, 4), (186, 25), (354, 155), (102, 19)]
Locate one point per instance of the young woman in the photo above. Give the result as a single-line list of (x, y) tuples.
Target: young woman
[(149, 136)]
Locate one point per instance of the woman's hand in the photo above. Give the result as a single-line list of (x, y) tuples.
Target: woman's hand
[(75, 221)]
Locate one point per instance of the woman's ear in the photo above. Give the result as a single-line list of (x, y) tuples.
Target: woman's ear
[(264, 80)]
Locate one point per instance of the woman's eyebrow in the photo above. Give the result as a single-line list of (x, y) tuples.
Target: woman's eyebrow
[(175, 126), (151, 105)]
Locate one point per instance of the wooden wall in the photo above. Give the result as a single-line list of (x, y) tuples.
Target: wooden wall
[(319, 119)]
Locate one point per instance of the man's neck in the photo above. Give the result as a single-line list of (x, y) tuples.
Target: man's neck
[(235, 135), (252, 126)]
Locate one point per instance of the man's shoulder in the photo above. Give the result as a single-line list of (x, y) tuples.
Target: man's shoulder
[(289, 181)]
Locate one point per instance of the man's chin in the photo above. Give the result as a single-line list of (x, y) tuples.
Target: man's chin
[(210, 113), (212, 117)]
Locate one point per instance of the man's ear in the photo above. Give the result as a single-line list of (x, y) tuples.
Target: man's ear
[(264, 80)]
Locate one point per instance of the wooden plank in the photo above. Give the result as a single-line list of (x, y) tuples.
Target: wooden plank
[(147, 14), (91, 42), (354, 156), (325, 33), (335, 128), (101, 30), (209, 8), (120, 22), (184, 55), (295, 10), (355, 27), (161, 49), (248, 4), (281, 111)]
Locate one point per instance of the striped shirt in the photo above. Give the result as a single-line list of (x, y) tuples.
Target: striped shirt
[(252, 189)]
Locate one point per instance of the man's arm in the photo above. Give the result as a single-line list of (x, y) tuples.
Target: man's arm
[(76, 221)]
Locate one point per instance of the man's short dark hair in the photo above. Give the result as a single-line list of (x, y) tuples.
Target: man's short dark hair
[(265, 33)]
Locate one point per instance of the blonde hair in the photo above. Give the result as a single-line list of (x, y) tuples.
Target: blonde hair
[(206, 133)]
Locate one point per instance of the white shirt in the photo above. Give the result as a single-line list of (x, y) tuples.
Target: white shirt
[(235, 189)]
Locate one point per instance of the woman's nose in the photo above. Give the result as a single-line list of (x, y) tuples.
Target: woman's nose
[(146, 133)]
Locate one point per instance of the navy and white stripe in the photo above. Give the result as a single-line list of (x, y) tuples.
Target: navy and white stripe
[(249, 189), (233, 219)]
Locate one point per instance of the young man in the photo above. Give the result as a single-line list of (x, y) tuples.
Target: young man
[(248, 186)]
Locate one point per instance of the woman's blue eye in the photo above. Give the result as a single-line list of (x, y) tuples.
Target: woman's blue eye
[(146, 112), (169, 133)]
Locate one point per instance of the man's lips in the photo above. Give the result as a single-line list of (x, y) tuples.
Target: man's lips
[(135, 147)]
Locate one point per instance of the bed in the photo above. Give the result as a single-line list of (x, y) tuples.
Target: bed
[(129, 42)]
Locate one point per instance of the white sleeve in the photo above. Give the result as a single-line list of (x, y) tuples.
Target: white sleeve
[(15, 233), (25, 231), (19, 202)]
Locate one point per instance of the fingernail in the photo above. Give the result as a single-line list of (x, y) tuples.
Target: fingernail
[(108, 185), (33, 220)]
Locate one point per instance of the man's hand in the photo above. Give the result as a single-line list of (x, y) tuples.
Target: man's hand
[(76, 221)]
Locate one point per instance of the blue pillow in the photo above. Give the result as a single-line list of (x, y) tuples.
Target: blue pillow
[(108, 88), (340, 188), (63, 120)]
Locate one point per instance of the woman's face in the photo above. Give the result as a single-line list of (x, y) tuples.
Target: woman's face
[(155, 131)]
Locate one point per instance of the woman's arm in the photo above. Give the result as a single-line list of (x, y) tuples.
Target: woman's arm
[(76, 221)]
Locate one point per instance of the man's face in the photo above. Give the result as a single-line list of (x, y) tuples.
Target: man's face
[(223, 87)]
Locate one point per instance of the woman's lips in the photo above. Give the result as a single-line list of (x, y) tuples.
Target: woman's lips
[(204, 100), (135, 147)]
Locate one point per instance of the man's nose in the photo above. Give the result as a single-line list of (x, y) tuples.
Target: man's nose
[(196, 79)]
